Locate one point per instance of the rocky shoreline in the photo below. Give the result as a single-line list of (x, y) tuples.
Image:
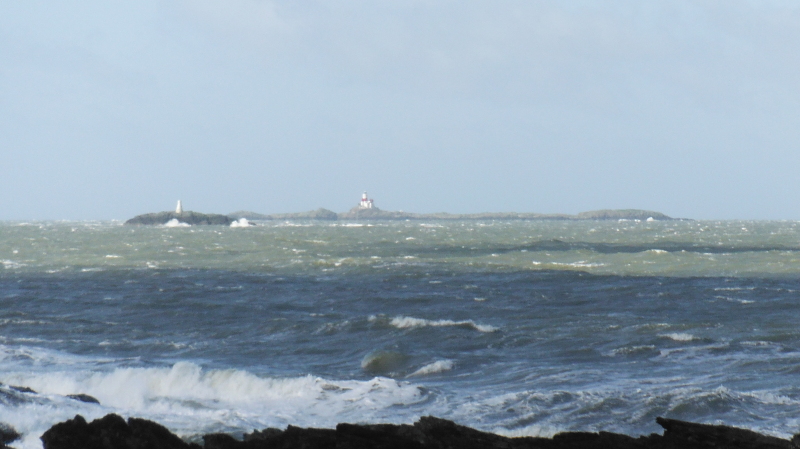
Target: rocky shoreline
[(113, 432)]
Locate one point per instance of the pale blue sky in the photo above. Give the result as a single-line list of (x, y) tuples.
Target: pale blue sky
[(110, 109)]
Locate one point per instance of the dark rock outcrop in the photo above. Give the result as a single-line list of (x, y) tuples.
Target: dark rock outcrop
[(22, 389), (188, 217), (112, 432), (7, 434), (691, 435), (84, 398)]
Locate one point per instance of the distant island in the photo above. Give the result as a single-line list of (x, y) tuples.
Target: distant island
[(374, 213), (180, 218), (187, 217), (366, 210)]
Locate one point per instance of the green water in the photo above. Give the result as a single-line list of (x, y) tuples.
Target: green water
[(669, 248)]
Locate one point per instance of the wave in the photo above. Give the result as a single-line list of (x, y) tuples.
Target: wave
[(633, 350), (578, 264), (384, 362), (174, 223), (241, 223), (679, 336), (191, 400), (438, 366), (406, 322)]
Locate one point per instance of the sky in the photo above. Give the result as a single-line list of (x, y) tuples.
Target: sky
[(109, 109)]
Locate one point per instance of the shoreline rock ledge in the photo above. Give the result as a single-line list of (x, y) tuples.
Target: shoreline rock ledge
[(188, 217), (113, 432)]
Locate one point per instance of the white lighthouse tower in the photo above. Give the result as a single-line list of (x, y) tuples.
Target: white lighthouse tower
[(365, 203), (179, 208)]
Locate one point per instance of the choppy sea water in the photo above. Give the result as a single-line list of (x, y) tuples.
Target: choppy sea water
[(520, 327)]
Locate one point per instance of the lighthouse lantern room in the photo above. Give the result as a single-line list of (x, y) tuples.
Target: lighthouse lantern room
[(365, 203)]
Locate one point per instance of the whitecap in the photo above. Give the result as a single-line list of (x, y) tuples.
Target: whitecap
[(438, 366), (174, 223), (406, 322), (679, 336), (578, 264), (10, 264), (241, 223), (631, 350)]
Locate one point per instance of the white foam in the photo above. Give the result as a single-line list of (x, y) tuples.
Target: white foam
[(241, 223), (190, 400), (533, 430), (10, 264), (578, 264), (628, 350), (174, 223), (438, 366), (406, 322), (679, 336)]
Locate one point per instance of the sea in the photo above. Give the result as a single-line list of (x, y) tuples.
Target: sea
[(514, 327)]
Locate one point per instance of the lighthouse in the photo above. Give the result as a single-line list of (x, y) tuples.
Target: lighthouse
[(179, 208), (365, 203)]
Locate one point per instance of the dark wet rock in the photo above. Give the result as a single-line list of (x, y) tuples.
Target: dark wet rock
[(7, 434), (291, 438), (188, 217), (21, 389), (84, 398), (111, 432), (691, 435), (428, 433)]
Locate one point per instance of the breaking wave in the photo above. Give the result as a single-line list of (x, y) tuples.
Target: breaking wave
[(438, 366), (679, 336), (189, 399), (406, 322), (174, 223)]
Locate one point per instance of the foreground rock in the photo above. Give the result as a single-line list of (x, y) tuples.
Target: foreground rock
[(113, 432), (188, 217), (7, 434), (109, 432)]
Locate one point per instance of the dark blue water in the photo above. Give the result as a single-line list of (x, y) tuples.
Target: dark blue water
[(524, 328), (523, 351)]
